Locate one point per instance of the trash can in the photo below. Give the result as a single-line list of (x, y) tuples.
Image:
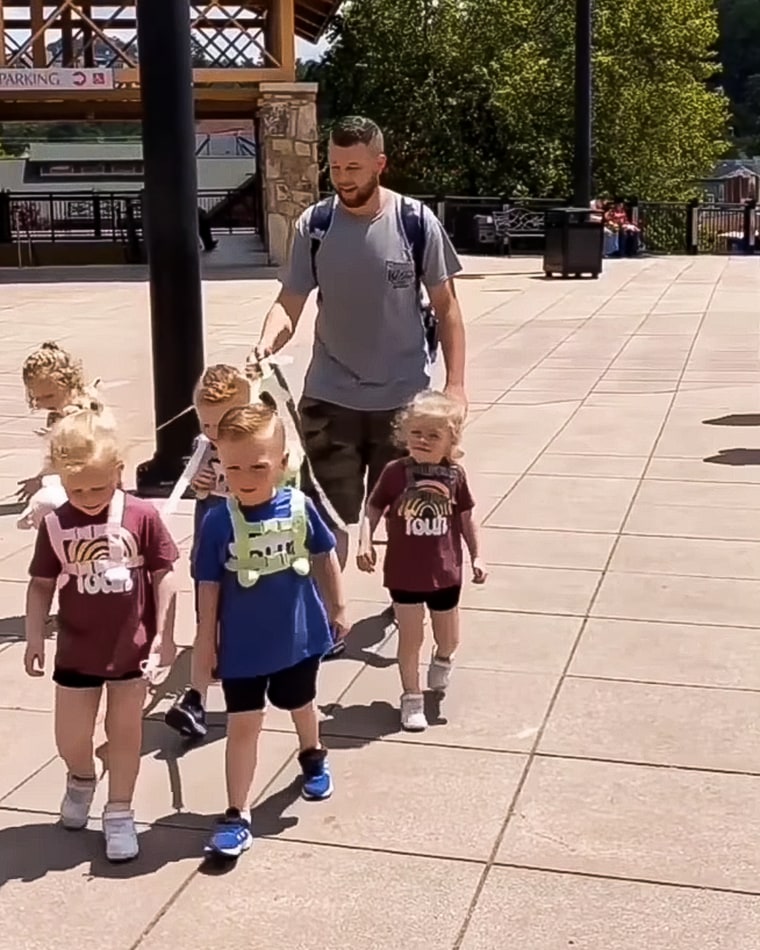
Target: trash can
[(485, 232), (574, 242)]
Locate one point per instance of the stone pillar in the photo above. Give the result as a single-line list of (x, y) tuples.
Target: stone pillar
[(288, 159)]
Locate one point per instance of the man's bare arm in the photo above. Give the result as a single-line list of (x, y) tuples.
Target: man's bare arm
[(451, 329), (280, 323)]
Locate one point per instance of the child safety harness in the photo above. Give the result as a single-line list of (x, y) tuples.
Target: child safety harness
[(268, 383), (114, 568), (411, 215), (260, 548)]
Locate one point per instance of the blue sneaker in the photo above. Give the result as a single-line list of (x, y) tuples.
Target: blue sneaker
[(231, 837), (337, 649), (317, 781)]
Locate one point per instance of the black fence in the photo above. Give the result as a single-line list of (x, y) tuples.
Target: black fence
[(665, 227), (476, 225), (106, 216), (469, 220)]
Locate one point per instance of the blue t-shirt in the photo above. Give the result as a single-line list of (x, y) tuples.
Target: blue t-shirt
[(201, 509), (280, 620)]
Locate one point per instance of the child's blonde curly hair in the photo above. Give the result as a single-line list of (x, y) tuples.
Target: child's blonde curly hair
[(435, 407), (219, 383), (51, 361), (82, 438)]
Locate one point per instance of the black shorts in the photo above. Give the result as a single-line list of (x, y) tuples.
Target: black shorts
[(287, 689), (346, 447), (447, 598), (71, 679)]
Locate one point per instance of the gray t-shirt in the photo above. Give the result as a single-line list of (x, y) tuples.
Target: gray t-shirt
[(369, 342)]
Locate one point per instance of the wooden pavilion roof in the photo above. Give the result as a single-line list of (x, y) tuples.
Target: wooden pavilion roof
[(313, 17)]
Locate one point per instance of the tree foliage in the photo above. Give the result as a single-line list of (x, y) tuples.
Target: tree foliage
[(477, 95), (740, 53)]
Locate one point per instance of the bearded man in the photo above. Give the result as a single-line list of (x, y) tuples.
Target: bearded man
[(368, 252)]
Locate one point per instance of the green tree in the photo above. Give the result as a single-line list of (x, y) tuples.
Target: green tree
[(740, 52), (477, 95)]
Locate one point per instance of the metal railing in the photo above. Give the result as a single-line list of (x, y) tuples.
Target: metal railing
[(666, 227), (469, 220), (112, 216)]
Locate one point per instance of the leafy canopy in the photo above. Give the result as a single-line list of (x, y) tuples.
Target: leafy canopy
[(477, 95)]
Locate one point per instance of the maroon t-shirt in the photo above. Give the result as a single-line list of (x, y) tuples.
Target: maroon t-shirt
[(423, 505), (103, 632)]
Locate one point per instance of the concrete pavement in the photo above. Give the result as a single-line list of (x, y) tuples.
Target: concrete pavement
[(592, 780)]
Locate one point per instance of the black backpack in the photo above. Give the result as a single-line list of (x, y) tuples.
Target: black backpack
[(412, 221)]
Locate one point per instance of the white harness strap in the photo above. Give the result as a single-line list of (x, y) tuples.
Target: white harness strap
[(116, 568), (191, 470), (274, 382)]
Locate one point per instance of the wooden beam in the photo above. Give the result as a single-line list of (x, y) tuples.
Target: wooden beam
[(2, 35), (220, 76), (91, 99), (67, 39), (225, 104), (87, 37), (281, 32), (37, 23)]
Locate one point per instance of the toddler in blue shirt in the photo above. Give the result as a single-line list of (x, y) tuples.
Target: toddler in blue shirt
[(269, 591)]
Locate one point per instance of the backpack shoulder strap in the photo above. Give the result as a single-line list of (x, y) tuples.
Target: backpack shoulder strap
[(413, 222), (320, 220)]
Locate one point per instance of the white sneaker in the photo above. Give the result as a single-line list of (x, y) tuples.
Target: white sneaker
[(413, 712), (439, 674), (75, 807), (121, 835)]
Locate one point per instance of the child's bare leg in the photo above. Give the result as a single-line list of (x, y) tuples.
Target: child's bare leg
[(445, 632), (312, 756), (199, 683), (75, 713), (243, 730), (446, 636), (307, 726), (124, 709), (411, 633), (124, 733)]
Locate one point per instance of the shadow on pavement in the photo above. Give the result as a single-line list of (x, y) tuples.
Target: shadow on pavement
[(175, 683), (738, 419), (32, 850), (101, 274), (735, 457), (368, 633), (12, 629), (357, 726)]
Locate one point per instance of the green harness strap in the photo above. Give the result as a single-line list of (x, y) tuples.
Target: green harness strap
[(269, 547)]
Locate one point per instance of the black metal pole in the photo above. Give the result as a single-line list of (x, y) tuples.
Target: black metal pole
[(171, 232), (582, 170)]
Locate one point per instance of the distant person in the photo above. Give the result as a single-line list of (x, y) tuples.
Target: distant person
[(368, 251), (204, 230)]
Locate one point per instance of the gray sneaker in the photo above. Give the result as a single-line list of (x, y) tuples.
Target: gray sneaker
[(413, 712), (76, 804), (121, 835), (439, 674)]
